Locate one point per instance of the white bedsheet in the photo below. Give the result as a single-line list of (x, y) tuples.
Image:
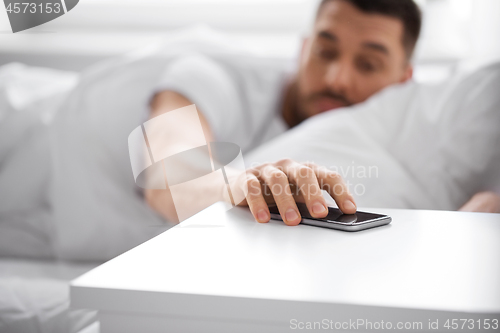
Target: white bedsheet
[(34, 297)]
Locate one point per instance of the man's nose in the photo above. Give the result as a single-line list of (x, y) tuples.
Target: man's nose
[(339, 77)]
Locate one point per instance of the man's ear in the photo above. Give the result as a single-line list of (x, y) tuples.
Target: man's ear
[(408, 74)]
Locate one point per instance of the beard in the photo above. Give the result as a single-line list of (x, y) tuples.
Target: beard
[(299, 107), (326, 100)]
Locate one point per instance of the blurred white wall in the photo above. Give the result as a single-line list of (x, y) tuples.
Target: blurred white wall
[(461, 28), (454, 31), (100, 28)]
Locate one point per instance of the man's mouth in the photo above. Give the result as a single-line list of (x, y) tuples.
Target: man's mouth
[(323, 104)]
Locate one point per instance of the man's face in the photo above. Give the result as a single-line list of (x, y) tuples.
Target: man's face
[(350, 56)]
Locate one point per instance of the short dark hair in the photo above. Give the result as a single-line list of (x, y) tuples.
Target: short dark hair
[(405, 10)]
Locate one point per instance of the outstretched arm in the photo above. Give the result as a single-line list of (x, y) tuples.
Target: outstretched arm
[(486, 202), (271, 182), (163, 102)]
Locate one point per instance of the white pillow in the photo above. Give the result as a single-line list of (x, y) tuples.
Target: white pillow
[(428, 147)]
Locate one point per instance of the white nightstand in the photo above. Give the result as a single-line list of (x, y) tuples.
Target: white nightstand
[(223, 272)]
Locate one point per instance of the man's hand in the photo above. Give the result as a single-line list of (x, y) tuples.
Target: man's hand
[(486, 202), (286, 181), (282, 182)]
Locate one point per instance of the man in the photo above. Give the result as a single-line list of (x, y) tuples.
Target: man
[(357, 48)]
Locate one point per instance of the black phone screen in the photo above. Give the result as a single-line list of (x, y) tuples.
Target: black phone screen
[(334, 215)]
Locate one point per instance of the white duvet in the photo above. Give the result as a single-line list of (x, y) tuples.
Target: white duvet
[(67, 189), (411, 146)]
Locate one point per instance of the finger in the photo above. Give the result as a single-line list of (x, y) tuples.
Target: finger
[(333, 183), (277, 182), (307, 185), (256, 201)]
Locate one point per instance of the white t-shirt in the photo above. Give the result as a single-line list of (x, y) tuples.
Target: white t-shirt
[(240, 96)]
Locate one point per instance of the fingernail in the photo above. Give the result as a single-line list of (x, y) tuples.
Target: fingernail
[(291, 215), (262, 215), (349, 205), (318, 208)]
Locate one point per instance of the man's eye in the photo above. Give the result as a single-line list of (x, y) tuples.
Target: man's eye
[(366, 66), (326, 54)]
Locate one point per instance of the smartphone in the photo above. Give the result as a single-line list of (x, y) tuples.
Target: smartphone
[(336, 219)]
